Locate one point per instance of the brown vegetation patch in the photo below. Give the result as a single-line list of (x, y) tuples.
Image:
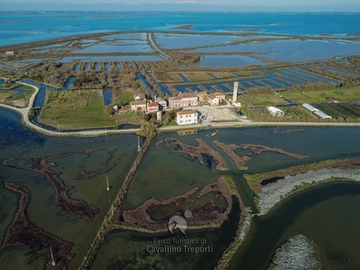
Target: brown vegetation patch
[(184, 27), (159, 143), (22, 233), (229, 150), (207, 215), (281, 131), (257, 149), (77, 208), (197, 151)]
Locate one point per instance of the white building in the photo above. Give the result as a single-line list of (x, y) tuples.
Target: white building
[(137, 106), (187, 117), (213, 100), (162, 103), (275, 111)]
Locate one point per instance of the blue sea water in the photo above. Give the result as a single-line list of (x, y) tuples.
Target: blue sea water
[(17, 28)]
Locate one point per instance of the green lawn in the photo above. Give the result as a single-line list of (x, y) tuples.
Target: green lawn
[(350, 94), (172, 123), (261, 99), (124, 97), (88, 112)]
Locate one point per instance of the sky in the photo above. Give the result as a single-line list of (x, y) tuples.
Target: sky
[(187, 5)]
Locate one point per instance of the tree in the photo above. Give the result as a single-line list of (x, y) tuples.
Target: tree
[(148, 130)]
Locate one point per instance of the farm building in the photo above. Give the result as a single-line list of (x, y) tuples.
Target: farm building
[(316, 111), (275, 111), (311, 108), (322, 114)]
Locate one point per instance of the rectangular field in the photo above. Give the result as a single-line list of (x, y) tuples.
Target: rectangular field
[(350, 94)]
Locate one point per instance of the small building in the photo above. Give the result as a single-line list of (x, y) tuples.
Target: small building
[(187, 117), (213, 100), (334, 100), (138, 97), (309, 107), (163, 104), (174, 102), (152, 107), (10, 53), (202, 96), (124, 109), (237, 104), (220, 96), (137, 106), (275, 111)]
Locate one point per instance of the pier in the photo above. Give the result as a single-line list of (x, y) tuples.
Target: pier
[(112, 215)]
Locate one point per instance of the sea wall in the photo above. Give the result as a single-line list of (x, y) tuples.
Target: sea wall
[(272, 194)]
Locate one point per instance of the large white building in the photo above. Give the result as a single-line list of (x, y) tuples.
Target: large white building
[(187, 117)]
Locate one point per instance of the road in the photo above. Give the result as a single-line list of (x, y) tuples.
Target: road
[(24, 112)]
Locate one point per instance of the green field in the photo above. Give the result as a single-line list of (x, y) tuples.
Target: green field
[(261, 99), (74, 110), (340, 110), (9, 86), (123, 97), (350, 94), (299, 112), (4, 95)]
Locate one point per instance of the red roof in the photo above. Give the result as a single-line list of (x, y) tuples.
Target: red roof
[(187, 112), (153, 104)]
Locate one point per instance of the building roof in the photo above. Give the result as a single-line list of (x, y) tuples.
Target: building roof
[(153, 104), (212, 96), (174, 98), (310, 107), (218, 94), (322, 114), (187, 95), (140, 102), (187, 112), (274, 109)]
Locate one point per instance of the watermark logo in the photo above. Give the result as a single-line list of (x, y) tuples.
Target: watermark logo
[(177, 222), (179, 244)]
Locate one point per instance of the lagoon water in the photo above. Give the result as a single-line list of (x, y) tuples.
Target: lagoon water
[(291, 50), (164, 174), (26, 27), (326, 214)]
